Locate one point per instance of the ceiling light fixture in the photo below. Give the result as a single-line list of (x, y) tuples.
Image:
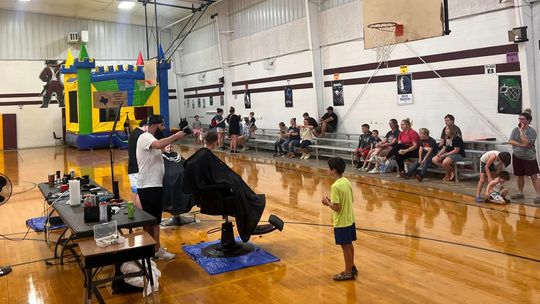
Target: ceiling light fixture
[(23, 0), (126, 5)]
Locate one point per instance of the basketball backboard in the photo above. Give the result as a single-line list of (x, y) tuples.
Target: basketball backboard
[(417, 19)]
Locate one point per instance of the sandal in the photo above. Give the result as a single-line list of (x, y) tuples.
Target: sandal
[(344, 277)]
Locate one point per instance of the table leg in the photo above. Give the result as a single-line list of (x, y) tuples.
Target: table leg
[(145, 279), (64, 249), (58, 243), (151, 278), (88, 285)]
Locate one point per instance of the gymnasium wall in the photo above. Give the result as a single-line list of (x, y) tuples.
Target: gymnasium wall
[(31, 38), (465, 91)]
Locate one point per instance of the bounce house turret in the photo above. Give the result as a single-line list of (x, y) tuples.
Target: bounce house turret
[(84, 64), (162, 70)]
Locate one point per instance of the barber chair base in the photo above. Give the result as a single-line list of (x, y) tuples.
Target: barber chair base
[(217, 250), (228, 246)]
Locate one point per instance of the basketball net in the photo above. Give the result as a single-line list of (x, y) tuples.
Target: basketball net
[(383, 35)]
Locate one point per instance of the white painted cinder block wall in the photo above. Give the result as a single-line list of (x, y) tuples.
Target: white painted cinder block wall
[(432, 97), (472, 99)]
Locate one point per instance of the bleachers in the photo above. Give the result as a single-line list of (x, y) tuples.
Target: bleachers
[(344, 145)]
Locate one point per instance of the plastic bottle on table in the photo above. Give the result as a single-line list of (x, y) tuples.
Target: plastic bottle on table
[(103, 216)]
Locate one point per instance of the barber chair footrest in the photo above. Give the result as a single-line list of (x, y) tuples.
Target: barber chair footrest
[(217, 250)]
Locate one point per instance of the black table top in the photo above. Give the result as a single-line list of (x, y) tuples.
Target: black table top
[(73, 215)]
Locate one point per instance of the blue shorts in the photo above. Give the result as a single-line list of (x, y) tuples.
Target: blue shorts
[(345, 235)]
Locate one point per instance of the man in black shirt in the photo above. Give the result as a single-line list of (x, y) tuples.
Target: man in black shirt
[(328, 123), (312, 121), (133, 168)]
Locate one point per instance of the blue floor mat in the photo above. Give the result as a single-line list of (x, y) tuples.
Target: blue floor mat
[(38, 223), (220, 265)]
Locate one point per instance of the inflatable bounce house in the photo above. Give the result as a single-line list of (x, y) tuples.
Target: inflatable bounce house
[(92, 96)]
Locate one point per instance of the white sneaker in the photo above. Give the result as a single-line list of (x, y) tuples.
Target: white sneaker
[(303, 155), (163, 254), (307, 156), (245, 148), (375, 170)]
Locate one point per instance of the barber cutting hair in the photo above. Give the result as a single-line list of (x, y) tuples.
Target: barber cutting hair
[(150, 179)]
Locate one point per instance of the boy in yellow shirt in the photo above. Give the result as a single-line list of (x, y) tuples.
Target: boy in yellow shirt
[(342, 216)]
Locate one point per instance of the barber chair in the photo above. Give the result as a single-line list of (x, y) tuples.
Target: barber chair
[(217, 200)]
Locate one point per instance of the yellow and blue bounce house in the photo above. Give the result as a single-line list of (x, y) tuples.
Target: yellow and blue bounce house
[(92, 96)]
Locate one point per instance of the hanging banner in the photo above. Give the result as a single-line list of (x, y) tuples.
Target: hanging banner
[(510, 94), (404, 89), (288, 97), (337, 93), (247, 99)]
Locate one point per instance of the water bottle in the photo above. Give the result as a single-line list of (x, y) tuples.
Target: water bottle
[(382, 167), (103, 217), (131, 210)]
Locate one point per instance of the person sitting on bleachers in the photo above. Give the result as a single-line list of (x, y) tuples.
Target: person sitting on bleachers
[(452, 152), (283, 135), (306, 136), (365, 143), (244, 135), (383, 147), (407, 146), (292, 140), (312, 121), (448, 121), (426, 152), (376, 140), (328, 123)]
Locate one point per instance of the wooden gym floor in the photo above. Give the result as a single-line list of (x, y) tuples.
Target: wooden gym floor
[(415, 245)]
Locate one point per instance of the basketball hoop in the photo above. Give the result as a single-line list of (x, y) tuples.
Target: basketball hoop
[(383, 35)]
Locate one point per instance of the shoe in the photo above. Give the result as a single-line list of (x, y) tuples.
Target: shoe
[(303, 155), (232, 151), (246, 148), (478, 199), (354, 271), (363, 169), (404, 175), (537, 200), (373, 171), (344, 277), (419, 177), (275, 155), (517, 196), (163, 254), (307, 156), (283, 155)]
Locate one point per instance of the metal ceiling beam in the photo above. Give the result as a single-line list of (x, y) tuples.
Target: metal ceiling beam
[(144, 2)]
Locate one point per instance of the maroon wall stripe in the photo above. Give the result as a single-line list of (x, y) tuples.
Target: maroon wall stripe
[(276, 88), (208, 87), (24, 103), (172, 97), (18, 95), (454, 72), (172, 90), (472, 53), (9, 123), (275, 78), (204, 95)]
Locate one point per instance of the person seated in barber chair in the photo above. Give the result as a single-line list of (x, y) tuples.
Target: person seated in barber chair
[(218, 190)]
